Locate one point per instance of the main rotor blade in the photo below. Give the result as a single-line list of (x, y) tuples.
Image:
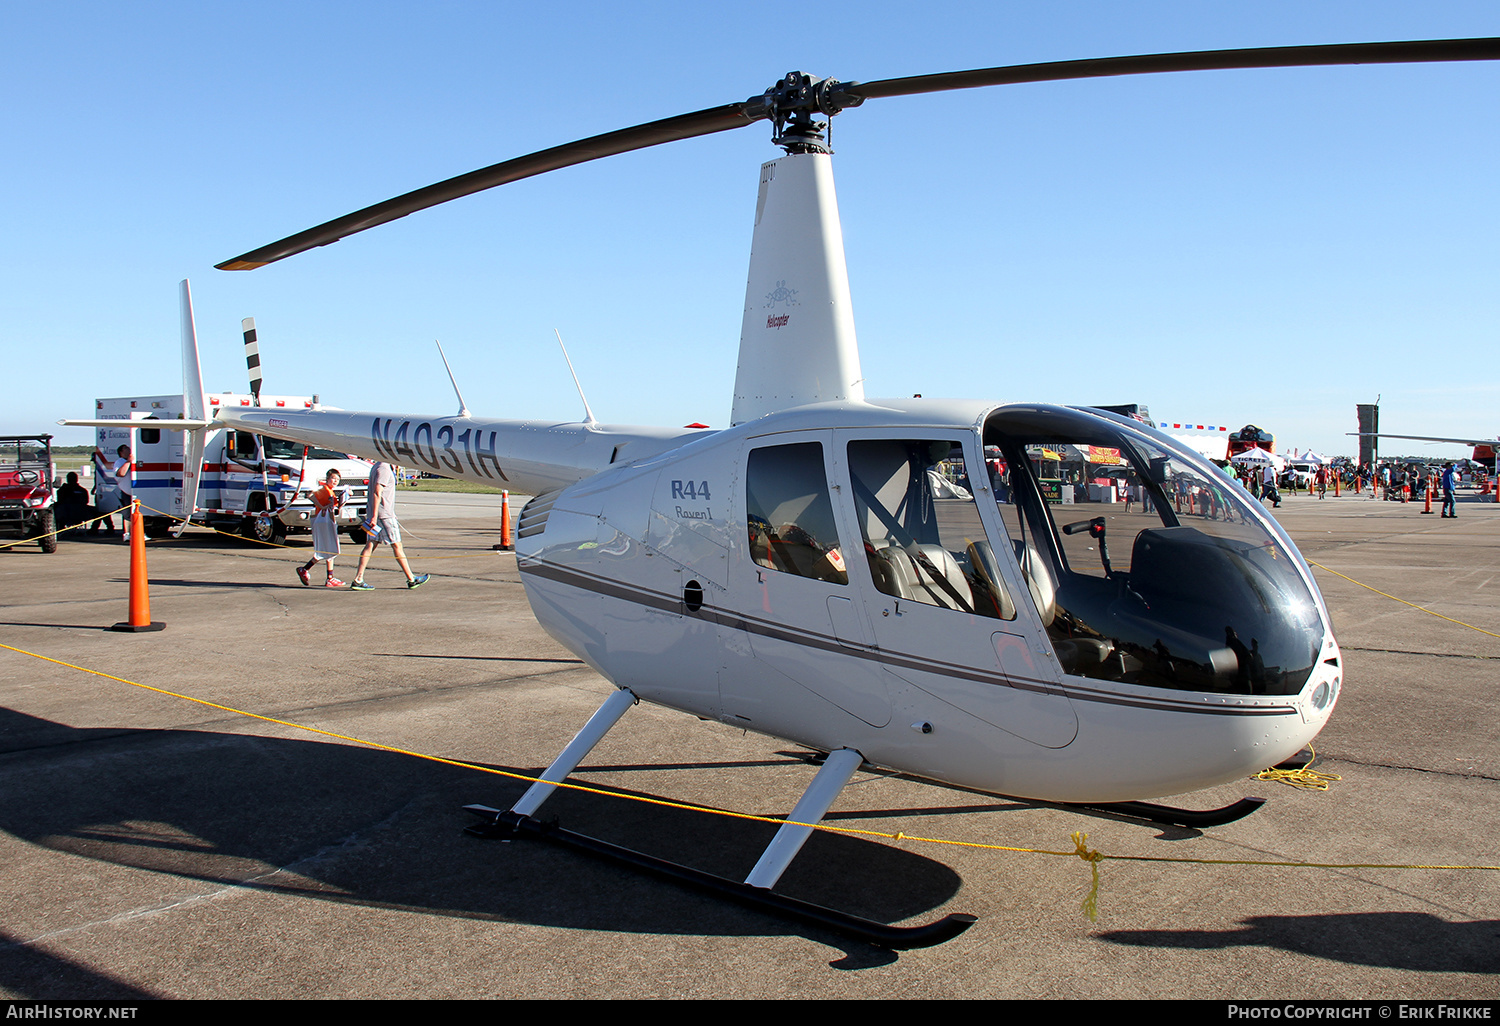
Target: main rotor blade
[(683, 126), (1406, 52), (842, 95)]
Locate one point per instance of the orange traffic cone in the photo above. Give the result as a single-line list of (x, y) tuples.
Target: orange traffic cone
[(140, 599), (506, 543), (1428, 509)]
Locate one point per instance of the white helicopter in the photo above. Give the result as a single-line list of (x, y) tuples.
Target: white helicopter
[(811, 574)]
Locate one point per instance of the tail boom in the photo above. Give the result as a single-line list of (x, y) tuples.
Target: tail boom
[(524, 456)]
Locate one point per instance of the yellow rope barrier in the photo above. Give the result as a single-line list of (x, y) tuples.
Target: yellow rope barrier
[(1090, 904), (278, 545), (1393, 598), (60, 530)]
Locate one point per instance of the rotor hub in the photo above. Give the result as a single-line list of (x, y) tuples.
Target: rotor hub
[(791, 103)]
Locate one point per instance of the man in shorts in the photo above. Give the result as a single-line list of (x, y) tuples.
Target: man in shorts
[(380, 526)]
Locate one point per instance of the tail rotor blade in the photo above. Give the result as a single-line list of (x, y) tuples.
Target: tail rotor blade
[(252, 356)]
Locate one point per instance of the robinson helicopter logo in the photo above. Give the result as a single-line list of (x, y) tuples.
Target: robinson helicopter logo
[(780, 294)]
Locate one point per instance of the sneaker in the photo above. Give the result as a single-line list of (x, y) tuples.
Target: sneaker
[(417, 581), (334, 582), (359, 585), (302, 576)]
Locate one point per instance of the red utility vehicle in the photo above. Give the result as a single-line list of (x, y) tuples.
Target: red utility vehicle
[(27, 489)]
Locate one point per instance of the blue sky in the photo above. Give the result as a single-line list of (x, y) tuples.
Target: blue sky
[(1254, 246)]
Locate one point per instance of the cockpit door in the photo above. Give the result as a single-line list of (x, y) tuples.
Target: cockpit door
[(798, 623), (936, 577)]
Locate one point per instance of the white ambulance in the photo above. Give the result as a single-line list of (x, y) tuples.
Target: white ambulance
[(257, 486)]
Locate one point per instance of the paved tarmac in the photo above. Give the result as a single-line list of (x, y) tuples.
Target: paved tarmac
[(153, 847)]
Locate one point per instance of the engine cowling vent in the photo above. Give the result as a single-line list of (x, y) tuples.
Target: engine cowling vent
[(534, 514)]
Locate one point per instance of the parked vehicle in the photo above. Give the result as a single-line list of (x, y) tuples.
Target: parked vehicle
[(258, 486), (28, 481), (1300, 475)]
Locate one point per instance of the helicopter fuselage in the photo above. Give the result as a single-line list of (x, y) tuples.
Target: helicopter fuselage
[(751, 576)]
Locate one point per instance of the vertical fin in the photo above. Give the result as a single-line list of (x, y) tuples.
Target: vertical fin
[(195, 407), (797, 341), (194, 404)]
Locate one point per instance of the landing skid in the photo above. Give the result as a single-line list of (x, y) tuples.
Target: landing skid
[(1169, 815), (755, 891), (497, 824), (1166, 815)]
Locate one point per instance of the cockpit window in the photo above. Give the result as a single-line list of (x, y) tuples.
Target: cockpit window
[(923, 539), (280, 449), (790, 515), (1147, 564)]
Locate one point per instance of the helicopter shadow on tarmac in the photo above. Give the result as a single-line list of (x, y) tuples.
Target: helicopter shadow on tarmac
[(1416, 941), (29, 973), (339, 823)]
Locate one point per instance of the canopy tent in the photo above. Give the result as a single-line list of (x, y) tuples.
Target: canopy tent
[(1258, 457)]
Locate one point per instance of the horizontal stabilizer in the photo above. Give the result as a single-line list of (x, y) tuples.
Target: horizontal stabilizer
[(149, 422)]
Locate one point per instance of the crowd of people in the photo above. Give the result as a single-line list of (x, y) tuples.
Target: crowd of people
[(1392, 481)]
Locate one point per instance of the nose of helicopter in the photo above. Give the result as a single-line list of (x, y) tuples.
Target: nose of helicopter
[(1321, 692)]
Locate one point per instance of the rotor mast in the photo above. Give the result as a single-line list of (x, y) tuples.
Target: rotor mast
[(797, 338)]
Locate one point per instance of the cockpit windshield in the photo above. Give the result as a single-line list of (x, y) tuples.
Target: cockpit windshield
[(280, 449), (24, 452), (1147, 564)]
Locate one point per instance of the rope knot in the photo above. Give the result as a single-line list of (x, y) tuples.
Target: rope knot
[(1081, 840), (1090, 903)]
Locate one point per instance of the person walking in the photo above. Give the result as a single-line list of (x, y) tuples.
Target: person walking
[(327, 501), (1450, 509), (381, 526), (1268, 490)]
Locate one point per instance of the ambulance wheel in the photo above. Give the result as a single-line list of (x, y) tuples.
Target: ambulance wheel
[(265, 529), (45, 524), (357, 535), (158, 527)]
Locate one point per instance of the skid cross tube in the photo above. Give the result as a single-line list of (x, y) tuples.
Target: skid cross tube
[(567, 761), (810, 809)]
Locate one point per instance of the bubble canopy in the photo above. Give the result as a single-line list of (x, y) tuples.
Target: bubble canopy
[(1147, 563)]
